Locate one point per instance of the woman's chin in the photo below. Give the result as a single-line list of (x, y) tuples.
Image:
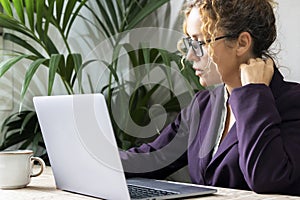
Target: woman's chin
[(211, 82), (203, 82)]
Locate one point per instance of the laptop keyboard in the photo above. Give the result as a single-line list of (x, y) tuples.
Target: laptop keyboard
[(140, 192)]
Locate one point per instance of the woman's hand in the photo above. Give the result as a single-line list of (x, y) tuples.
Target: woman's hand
[(257, 71)]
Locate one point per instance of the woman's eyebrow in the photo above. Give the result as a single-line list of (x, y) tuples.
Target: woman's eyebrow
[(196, 36)]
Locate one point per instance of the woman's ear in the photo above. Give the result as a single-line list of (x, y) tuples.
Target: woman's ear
[(244, 44)]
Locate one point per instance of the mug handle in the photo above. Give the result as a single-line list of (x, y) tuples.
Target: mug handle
[(42, 166)]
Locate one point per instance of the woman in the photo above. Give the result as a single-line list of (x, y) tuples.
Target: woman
[(204, 68), (244, 134)]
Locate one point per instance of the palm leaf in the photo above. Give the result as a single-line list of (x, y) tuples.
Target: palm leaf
[(59, 10), (108, 25), (131, 53), (70, 68), (7, 64), (29, 4), (150, 6), (112, 70), (166, 60), (75, 14), (29, 75), (81, 67), (113, 14), (73, 66), (22, 43), (26, 120), (6, 6), (40, 7), (48, 16), (14, 25), (68, 12), (102, 28), (56, 63), (18, 4)]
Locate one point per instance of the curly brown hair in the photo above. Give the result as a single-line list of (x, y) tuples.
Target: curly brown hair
[(233, 17)]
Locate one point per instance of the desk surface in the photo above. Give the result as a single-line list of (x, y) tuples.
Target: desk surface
[(43, 188)]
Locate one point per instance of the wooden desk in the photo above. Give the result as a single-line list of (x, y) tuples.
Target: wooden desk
[(43, 188)]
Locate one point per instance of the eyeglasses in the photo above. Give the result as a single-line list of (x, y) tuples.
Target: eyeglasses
[(197, 45)]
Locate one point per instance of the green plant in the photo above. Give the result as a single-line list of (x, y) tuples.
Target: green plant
[(23, 127), (122, 16), (30, 25), (139, 98), (32, 21)]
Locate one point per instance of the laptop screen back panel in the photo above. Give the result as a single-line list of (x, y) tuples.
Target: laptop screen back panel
[(76, 137)]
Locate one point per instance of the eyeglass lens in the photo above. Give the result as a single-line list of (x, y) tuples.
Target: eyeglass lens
[(196, 46)]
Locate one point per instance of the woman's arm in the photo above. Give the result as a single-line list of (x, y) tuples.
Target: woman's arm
[(268, 131), (158, 159)]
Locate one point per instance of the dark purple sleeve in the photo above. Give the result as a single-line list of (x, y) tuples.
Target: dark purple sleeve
[(268, 132), (160, 158), (168, 152)]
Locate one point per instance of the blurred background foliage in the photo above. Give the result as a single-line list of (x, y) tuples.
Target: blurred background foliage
[(27, 24)]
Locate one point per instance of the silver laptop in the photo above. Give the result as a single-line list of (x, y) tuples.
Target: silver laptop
[(84, 155)]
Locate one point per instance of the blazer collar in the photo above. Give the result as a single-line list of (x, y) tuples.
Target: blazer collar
[(277, 83)]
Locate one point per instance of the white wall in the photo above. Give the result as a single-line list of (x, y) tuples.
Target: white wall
[(289, 38)]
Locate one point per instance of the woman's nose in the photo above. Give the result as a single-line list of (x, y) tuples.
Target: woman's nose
[(191, 56)]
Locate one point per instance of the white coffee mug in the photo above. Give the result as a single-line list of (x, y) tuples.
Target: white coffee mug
[(16, 168)]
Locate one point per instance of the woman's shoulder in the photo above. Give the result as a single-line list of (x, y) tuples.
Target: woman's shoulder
[(282, 88), (217, 90), (288, 95), (202, 102), (208, 95), (290, 88)]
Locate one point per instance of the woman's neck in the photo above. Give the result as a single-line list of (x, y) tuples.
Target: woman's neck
[(230, 87)]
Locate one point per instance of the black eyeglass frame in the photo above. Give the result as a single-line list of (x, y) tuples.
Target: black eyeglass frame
[(189, 42)]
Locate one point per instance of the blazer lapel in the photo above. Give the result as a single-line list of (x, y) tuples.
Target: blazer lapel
[(227, 143), (217, 110)]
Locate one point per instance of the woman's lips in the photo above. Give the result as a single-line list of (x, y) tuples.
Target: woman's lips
[(199, 72)]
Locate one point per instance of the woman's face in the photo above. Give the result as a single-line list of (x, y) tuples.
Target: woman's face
[(223, 67), (204, 68)]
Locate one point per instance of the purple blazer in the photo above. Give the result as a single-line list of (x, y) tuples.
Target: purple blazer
[(261, 152)]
